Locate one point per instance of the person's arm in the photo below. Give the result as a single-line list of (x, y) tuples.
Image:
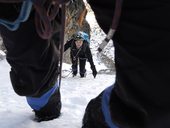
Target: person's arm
[(90, 59), (68, 44), (89, 56)]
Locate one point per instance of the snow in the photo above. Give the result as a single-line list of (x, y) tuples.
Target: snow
[(76, 92)]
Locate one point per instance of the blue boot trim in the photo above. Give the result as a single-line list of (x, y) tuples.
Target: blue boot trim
[(105, 107), (38, 103)]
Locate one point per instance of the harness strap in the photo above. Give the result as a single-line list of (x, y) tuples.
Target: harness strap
[(75, 57)]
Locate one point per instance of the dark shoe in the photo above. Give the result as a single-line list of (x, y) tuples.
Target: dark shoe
[(51, 110), (83, 75), (90, 120), (39, 118), (74, 73)]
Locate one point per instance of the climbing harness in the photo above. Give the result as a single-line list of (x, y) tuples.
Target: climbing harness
[(74, 57)]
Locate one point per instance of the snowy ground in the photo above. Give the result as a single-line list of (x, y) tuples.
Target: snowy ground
[(75, 94)]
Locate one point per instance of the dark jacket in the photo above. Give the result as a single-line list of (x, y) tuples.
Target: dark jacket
[(83, 52), (142, 61)]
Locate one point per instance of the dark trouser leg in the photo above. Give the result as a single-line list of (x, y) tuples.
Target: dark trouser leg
[(82, 65), (34, 64), (74, 65)]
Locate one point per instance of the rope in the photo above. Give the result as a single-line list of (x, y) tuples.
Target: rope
[(62, 40)]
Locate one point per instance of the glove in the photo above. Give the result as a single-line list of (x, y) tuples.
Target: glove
[(94, 71), (99, 49), (74, 73)]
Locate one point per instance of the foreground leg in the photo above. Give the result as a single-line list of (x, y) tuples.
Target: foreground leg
[(34, 68)]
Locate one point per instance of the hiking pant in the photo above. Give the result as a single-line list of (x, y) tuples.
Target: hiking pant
[(82, 64), (34, 66)]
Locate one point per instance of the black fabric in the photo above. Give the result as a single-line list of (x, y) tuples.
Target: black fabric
[(93, 117), (94, 72), (51, 110), (9, 11), (82, 70), (34, 61), (82, 54), (103, 12), (142, 61)]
